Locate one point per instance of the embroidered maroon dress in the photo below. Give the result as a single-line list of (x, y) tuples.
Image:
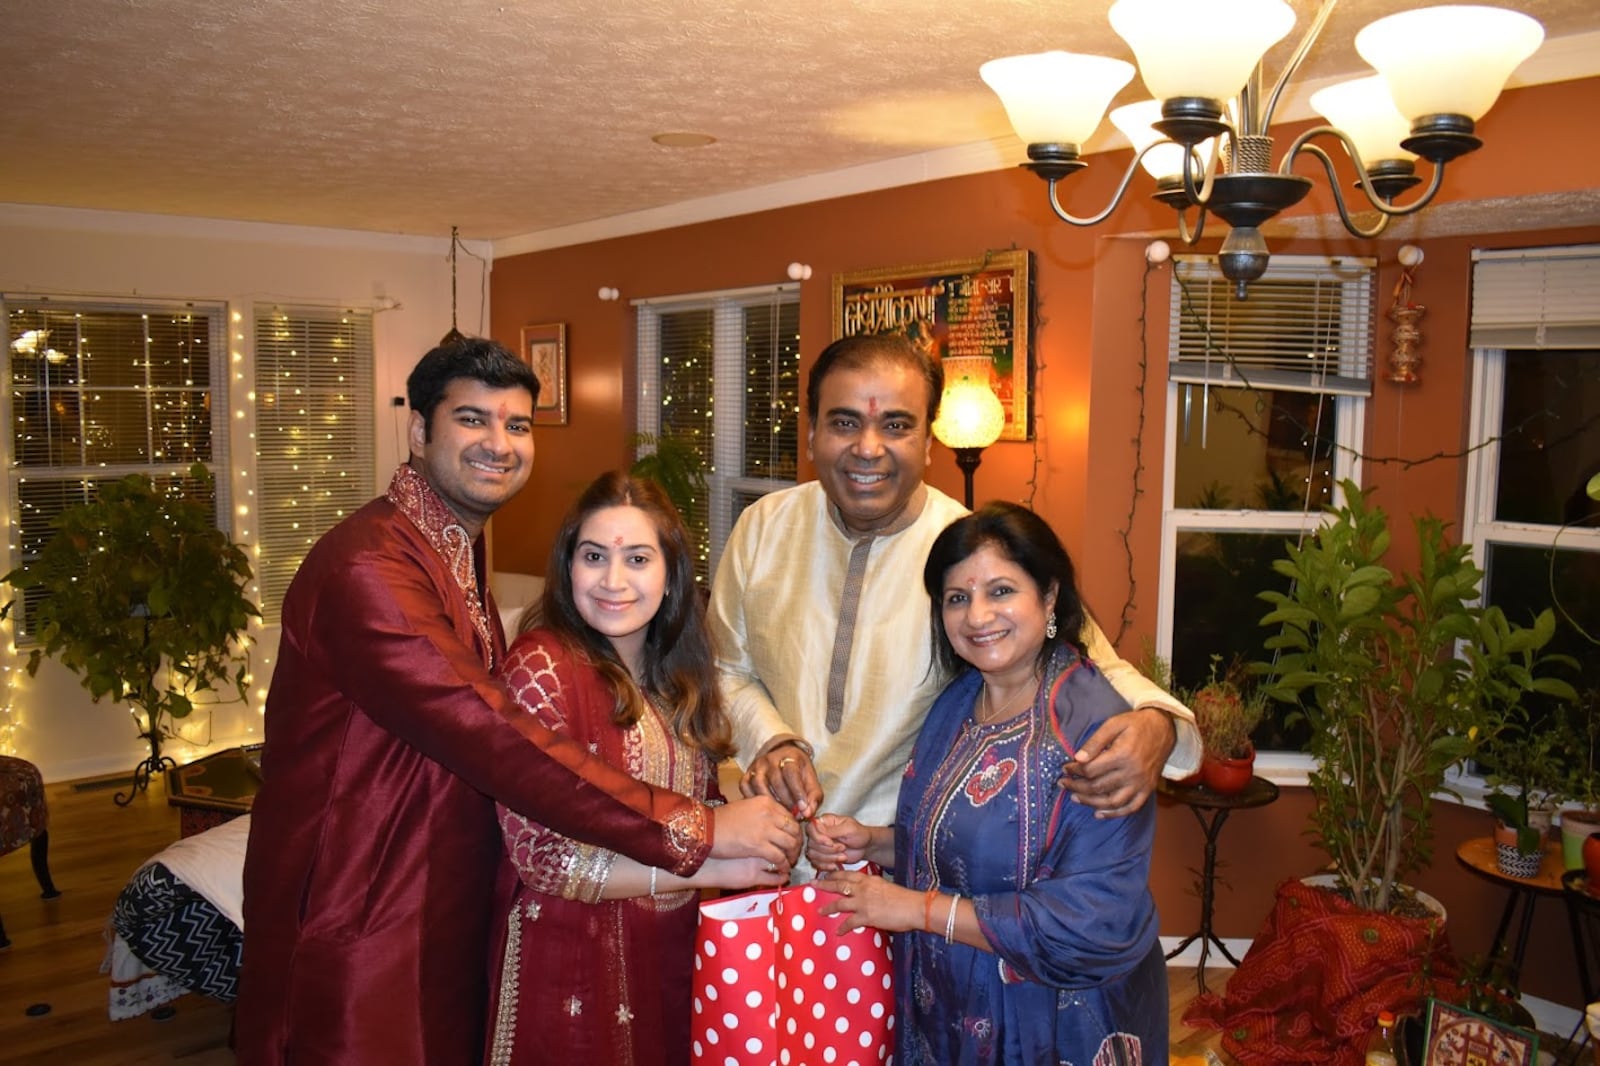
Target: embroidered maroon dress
[(578, 978)]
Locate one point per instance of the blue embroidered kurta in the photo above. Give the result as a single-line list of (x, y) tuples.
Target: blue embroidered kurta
[(1077, 975)]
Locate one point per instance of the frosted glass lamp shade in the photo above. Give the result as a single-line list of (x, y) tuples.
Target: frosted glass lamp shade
[(1137, 123), (1449, 60), (970, 414), (1204, 48), (1055, 97), (1362, 109)]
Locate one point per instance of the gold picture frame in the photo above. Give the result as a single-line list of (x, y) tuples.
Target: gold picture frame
[(544, 348), (977, 306)]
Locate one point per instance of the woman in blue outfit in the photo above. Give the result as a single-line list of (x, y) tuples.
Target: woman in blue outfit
[(1026, 933)]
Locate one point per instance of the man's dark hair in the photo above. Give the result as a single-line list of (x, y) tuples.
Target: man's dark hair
[(478, 358), (859, 353)]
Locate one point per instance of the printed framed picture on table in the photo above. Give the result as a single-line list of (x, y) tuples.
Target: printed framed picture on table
[(544, 348)]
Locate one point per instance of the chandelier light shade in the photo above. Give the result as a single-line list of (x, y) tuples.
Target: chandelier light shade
[(971, 416), (1450, 60), (1185, 50), (1365, 111), (1056, 97), (1206, 137)]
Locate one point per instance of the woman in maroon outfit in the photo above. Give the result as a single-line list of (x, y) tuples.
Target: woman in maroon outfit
[(594, 964)]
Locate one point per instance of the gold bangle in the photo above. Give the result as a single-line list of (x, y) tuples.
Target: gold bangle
[(950, 922)]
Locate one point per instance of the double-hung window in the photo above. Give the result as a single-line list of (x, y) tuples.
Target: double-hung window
[(1265, 404), (1536, 421), (101, 390), (720, 372)]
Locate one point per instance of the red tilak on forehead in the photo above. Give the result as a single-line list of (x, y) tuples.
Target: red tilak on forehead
[(872, 406), (972, 583), (616, 542), (502, 412)]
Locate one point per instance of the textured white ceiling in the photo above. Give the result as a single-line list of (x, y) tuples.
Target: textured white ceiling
[(513, 117)]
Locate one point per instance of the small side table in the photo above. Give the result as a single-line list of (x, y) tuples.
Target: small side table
[(1478, 855), (215, 789), (1211, 810)]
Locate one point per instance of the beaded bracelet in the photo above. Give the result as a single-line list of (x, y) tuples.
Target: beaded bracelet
[(927, 908), (950, 922)]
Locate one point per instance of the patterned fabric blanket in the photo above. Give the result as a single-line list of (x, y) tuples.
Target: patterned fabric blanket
[(1316, 976), (175, 927)]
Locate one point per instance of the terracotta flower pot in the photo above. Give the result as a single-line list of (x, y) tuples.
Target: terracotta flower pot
[(1591, 858), (1227, 776)]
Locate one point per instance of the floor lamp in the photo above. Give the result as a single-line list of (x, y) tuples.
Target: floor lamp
[(970, 414)]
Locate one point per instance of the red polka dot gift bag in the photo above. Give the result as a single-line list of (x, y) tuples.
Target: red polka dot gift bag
[(775, 985)]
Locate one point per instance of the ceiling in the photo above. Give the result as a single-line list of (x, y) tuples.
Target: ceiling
[(515, 118)]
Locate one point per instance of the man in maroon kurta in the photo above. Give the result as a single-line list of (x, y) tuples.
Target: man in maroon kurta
[(374, 841)]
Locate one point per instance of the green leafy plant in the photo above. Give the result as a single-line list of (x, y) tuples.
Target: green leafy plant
[(674, 464), (144, 601), (1372, 662)]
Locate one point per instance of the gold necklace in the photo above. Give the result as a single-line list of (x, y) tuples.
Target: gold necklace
[(1005, 712)]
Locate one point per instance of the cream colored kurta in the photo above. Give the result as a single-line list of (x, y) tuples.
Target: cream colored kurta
[(775, 614)]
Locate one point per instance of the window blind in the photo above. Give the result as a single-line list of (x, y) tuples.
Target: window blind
[(721, 371), (103, 389), (1307, 326), (314, 434), (1536, 298)]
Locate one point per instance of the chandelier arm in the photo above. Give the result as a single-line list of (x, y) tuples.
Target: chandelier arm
[(1303, 143), (1116, 197), (1338, 197), (1293, 66), (1202, 196), (1191, 239)]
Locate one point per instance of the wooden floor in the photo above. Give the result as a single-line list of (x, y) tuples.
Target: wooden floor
[(57, 946)]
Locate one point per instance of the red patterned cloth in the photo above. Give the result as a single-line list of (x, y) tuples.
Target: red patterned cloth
[(23, 814), (1317, 975)]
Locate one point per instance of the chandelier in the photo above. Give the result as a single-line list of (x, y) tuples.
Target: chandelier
[(1206, 137)]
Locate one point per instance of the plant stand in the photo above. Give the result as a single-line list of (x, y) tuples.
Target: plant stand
[(1201, 800), (157, 763)]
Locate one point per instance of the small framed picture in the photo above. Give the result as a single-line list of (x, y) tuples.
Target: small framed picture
[(1455, 1036), (544, 348)]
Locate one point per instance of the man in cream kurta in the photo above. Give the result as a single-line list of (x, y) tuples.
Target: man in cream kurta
[(818, 609)]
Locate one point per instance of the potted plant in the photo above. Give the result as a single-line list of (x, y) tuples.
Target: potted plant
[(144, 599), (1225, 717), (1372, 662), (1518, 846), (1580, 737)]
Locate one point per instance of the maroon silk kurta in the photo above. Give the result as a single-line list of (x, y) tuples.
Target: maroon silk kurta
[(374, 844)]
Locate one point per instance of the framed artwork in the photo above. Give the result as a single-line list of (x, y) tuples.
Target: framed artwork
[(545, 349), (1455, 1036), (964, 307)]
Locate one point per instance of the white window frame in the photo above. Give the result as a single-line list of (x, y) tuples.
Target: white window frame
[(727, 308), (1281, 767)]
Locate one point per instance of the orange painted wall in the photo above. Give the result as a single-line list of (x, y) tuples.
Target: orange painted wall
[(1092, 304)]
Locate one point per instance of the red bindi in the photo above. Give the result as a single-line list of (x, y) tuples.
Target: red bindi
[(616, 542)]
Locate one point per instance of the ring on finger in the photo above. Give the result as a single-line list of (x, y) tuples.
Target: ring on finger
[(785, 761)]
